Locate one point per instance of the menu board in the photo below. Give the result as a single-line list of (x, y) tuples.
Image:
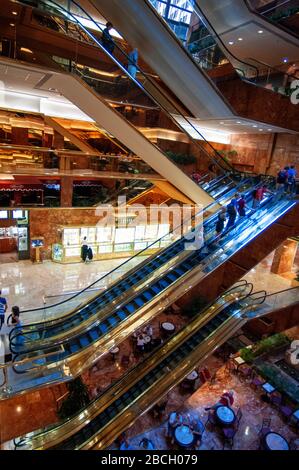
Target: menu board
[(89, 233), (57, 252), (105, 234), (140, 232), (71, 236), (123, 235), (151, 232), (72, 251)]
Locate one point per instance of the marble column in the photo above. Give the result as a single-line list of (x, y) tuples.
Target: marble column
[(66, 191), (284, 257)]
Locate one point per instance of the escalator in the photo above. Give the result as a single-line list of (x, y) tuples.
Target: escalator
[(195, 85), (83, 335), (282, 13), (110, 414)]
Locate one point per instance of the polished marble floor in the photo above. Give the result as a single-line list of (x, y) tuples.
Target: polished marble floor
[(254, 410)]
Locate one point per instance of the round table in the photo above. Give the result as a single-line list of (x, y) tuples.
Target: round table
[(168, 326), (192, 376), (225, 415), (184, 435), (274, 441)]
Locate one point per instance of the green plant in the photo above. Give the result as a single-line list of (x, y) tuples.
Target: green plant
[(280, 381), (264, 346), (76, 399), (181, 158)]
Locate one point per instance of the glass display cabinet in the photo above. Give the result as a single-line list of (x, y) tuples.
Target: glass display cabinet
[(108, 242)]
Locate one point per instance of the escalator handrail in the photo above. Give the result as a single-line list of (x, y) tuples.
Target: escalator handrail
[(242, 282), (196, 6), (236, 58), (269, 20), (61, 341), (16, 332), (280, 292), (227, 166)]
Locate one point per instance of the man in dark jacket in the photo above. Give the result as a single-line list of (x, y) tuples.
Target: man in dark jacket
[(107, 40)]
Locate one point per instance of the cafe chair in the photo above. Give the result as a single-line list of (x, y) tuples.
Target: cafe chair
[(244, 372), (257, 382), (286, 412), (211, 421), (265, 427), (125, 361), (276, 399), (228, 436)]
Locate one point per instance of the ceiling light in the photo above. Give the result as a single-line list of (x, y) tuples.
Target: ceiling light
[(254, 125), (231, 43), (221, 122), (269, 130), (238, 122), (14, 13), (285, 60), (24, 49), (11, 24), (260, 130), (260, 31), (240, 39)]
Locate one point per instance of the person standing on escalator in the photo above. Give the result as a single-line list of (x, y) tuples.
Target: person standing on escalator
[(107, 39), (132, 62), (232, 214)]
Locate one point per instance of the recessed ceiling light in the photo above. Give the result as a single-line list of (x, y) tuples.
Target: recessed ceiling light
[(269, 130), (260, 130), (221, 122), (260, 31), (285, 60), (231, 43), (254, 125), (11, 24), (238, 122), (240, 39), (14, 13), (24, 49)]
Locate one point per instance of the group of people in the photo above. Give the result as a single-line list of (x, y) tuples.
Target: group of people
[(15, 318), (178, 419), (109, 45), (286, 180)]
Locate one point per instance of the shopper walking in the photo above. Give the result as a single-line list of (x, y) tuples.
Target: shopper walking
[(107, 39), (132, 62), (241, 206), (84, 249), (3, 308), (232, 215)]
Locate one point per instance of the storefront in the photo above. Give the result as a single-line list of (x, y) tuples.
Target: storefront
[(109, 242), (14, 235)]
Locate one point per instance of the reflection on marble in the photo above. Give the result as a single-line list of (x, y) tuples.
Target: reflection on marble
[(254, 410), (26, 284), (33, 410)]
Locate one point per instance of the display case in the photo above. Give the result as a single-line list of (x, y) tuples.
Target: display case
[(109, 242)]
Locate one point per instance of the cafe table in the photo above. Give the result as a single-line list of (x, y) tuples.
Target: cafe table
[(184, 435), (274, 441), (225, 415)]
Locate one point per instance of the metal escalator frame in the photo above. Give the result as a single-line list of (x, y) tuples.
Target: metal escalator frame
[(227, 166), (114, 389), (128, 273), (268, 20), (123, 298)]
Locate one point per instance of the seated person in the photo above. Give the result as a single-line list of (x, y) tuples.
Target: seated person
[(226, 399), (146, 444), (197, 431), (174, 420), (148, 330)]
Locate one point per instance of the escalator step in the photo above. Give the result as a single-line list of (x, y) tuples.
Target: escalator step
[(112, 321), (130, 308), (148, 296), (103, 327), (84, 342), (139, 301), (156, 289), (121, 314), (93, 335), (74, 347)]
